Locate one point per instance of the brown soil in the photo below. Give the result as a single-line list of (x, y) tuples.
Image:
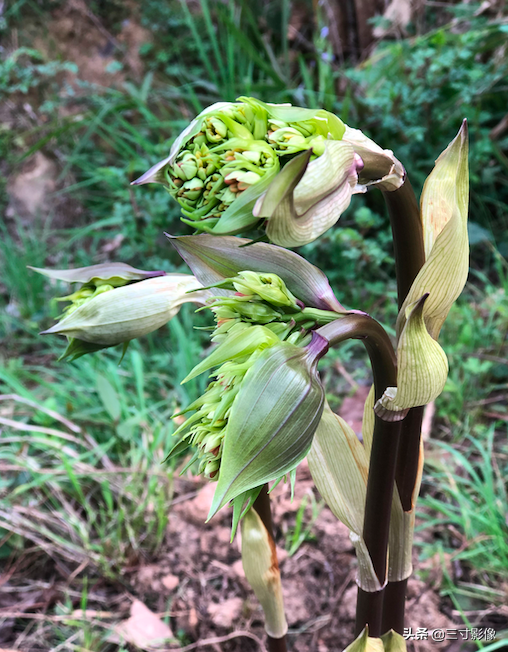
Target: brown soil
[(198, 578)]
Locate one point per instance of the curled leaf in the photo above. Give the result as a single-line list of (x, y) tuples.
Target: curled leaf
[(422, 368), (444, 207), (300, 207)]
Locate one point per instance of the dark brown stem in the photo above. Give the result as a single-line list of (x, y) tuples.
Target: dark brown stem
[(394, 607), (409, 456), (383, 458), (263, 508), (407, 235), (409, 258)]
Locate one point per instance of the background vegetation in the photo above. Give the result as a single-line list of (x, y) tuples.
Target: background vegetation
[(92, 94)]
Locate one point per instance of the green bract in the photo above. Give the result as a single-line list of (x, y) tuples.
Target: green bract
[(225, 169)]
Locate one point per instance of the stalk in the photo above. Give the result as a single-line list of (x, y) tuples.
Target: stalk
[(382, 461), (409, 258), (263, 508)]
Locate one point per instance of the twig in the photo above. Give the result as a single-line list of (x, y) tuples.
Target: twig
[(219, 639), (55, 415)]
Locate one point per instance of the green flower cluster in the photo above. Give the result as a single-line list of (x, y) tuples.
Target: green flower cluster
[(227, 157), (258, 312)]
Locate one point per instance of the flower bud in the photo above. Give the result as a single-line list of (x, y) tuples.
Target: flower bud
[(243, 145), (121, 314), (272, 420), (257, 417)]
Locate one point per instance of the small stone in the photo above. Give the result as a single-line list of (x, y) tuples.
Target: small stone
[(170, 582), (237, 568), (224, 614)]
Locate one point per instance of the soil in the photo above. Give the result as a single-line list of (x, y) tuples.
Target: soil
[(198, 578)]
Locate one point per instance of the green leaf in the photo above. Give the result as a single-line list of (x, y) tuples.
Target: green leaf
[(444, 207), (339, 467), (259, 559), (114, 273), (365, 643), (393, 642), (318, 199)]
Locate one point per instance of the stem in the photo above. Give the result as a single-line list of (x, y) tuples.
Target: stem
[(407, 235), (409, 259), (394, 607), (383, 458), (263, 508)]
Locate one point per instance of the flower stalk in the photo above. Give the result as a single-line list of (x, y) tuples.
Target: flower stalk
[(383, 457)]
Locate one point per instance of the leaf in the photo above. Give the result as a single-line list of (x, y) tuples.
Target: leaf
[(213, 259), (318, 199), (368, 422), (365, 643), (109, 397), (444, 207), (339, 467), (393, 642), (114, 273), (422, 368)]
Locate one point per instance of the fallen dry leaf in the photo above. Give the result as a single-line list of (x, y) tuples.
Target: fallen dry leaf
[(143, 629)]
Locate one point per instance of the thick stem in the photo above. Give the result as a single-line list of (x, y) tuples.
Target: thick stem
[(263, 508), (407, 235), (376, 524), (409, 258), (383, 458), (394, 607)]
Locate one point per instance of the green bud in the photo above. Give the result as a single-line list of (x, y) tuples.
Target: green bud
[(251, 141), (121, 314), (272, 420)]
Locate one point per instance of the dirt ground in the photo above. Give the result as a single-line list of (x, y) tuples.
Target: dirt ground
[(197, 579)]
